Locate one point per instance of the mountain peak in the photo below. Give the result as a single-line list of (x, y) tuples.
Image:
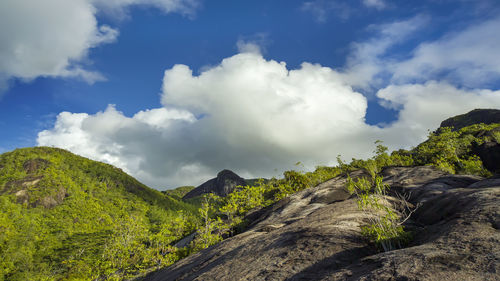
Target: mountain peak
[(222, 185), (486, 116)]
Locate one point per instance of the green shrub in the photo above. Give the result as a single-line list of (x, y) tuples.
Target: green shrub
[(385, 226)]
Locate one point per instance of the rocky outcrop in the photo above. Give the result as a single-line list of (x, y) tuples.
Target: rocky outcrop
[(26, 182), (315, 235), (33, 165), (53, 200), (222, 185), (486, 116), (24, 188), (22, 184)]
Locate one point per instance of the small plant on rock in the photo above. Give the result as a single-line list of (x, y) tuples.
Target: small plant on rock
[(385, 225)]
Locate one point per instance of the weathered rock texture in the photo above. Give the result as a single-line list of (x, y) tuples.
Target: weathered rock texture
[(23, 188), (34, 165), (315, 235), (222, 185)]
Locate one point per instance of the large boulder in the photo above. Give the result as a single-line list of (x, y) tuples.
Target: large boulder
[(315, 235), (222, 185)]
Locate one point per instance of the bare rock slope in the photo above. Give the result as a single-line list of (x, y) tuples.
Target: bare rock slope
[(315, 235)]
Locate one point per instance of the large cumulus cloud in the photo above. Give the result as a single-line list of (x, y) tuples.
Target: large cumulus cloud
[(258, 117), (248, 114)]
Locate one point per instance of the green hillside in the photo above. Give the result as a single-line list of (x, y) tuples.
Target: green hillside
[(64, 217), (178, 192)]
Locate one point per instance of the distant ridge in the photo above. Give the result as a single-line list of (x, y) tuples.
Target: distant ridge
[(222, 185)]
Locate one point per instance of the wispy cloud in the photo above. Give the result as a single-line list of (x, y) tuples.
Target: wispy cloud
[(377, 4), (469, 57), (324, 9), (368, 61), (342, 10), (119, 8), (256, 43)]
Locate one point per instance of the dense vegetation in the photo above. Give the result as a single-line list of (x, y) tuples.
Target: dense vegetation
[(178, 192), (66, 217)]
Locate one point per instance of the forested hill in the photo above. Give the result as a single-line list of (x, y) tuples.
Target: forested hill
[(63, 216)]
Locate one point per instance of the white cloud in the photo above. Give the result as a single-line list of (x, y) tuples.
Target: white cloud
[(317, 9), (118, 8), (161, 118), (342, 10), (53, 37), (468, 56), (255, 43), (248, 47), (422, 107), (323, 9), (367, 59), (72, 135), (43, 38), (128, 143), (377, 4), (270, 102)]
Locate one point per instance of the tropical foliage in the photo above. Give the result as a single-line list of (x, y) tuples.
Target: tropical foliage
[(65, 217), (385, 226), (452, 150)]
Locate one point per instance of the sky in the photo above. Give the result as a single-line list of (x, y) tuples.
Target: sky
[(173, 91)]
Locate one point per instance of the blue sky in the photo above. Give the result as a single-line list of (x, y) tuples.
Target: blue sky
[(174, 91)]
